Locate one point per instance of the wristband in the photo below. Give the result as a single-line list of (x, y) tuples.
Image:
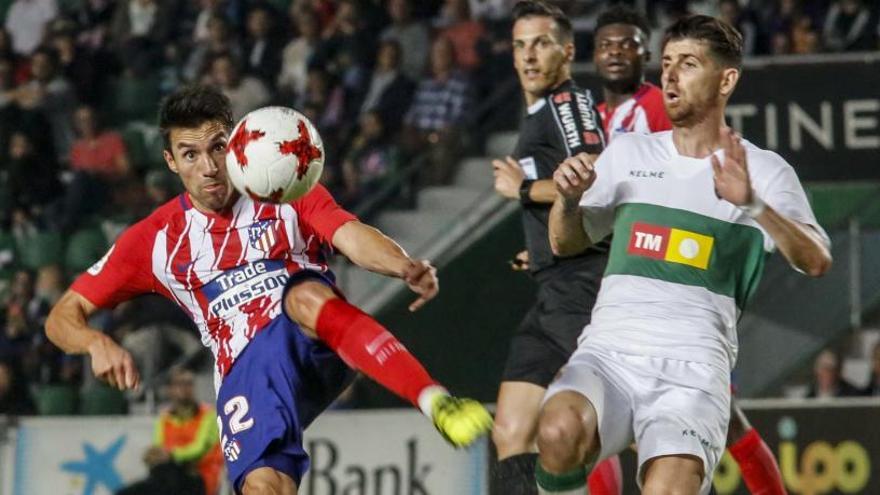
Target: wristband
[(525, 189), (755, 208)]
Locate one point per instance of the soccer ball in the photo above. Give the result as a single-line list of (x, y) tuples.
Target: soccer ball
[(274, 155)]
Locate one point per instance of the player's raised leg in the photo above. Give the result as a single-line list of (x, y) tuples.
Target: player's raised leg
[(759, 468), (568, 439), (268, 481), (678, 474), (367, 346), (516, 424)]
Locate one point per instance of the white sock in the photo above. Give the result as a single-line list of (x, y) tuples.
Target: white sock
[(426, 398)]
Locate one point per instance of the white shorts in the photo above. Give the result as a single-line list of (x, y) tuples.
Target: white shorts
[(666, 406)]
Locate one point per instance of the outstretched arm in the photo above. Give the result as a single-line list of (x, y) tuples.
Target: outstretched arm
[(67, 327), (509, 179), (799, 243), (572, 178), (372, 250)]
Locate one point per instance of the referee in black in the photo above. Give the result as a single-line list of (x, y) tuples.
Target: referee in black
[(561, 121)]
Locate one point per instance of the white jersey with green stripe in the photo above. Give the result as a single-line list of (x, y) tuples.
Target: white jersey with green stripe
[(683, 262)]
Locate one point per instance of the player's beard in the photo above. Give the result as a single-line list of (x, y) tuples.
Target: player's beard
[(627, 85), (690, 111)]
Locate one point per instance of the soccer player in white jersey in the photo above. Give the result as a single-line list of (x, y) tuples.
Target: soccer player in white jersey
[(253, 276), (693, 212)]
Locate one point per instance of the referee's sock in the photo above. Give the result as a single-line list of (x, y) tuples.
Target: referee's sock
[(515, 475), (757, 464), (367, 346), (573, 482)]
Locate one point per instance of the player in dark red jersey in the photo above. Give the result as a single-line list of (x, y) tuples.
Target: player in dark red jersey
[(620, 53), (253, 277)]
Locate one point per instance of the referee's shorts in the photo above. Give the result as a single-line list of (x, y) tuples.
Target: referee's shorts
[(548, 334)]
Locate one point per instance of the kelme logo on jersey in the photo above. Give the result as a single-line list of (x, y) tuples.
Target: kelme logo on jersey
[(238, 286), (672, 245)]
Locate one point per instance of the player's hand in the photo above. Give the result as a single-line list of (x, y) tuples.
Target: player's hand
[(574, 176), (460, 421), (732, 181), (508, 177), (520, 262), (421, 277), (113, 364)]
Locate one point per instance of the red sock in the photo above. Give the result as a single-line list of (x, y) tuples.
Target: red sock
[(367, 346), (606, 478), (759, 468)]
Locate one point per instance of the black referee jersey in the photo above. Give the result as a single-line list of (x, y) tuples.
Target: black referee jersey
[(561, 124)]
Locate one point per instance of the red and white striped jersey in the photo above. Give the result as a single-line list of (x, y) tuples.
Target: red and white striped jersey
[(227, 271), (643, 113)]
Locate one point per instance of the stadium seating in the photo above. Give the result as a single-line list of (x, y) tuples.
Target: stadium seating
[(39, 249), (84, 247), (56, 400), (100, 399)]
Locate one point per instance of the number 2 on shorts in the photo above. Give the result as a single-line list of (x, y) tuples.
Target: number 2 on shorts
[(237, 408)]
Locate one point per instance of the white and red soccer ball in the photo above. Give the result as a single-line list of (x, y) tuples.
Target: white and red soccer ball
[(275, 154)]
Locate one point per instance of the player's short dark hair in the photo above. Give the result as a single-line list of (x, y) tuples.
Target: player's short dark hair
[(191, 106), (724, 41), (540, 8), (623, 14)]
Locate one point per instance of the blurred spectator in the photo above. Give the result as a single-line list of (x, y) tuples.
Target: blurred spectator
[(491, 10), (220, 41), (434, 120), (873, 387), (347, 52), (94, 19), (78, 66), (140, 29), (246, 93), (161, 186), (207, 10), (828, 382), (187, 431), (779, 16), (780, 44), (390, 92), (731, 12), (26, 21), (98, 151), (14, 397), (846, 26), (411, 35), (21, 323), (262, 48), (185, 456), (51, 95), (32, 177), (17, 70), (804, 38), (48, 288), (8, 110), (296, 55), (326, 99), (464, 32), (371, 158)]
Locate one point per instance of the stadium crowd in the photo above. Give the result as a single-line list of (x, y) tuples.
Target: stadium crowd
[(385, 81)]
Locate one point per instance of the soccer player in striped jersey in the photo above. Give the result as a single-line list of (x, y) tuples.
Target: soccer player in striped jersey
[(633, 105), (620, 52), (253, 277), (693, 212)]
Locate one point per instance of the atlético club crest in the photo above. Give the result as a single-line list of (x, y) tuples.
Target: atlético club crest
[(262, 235)]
